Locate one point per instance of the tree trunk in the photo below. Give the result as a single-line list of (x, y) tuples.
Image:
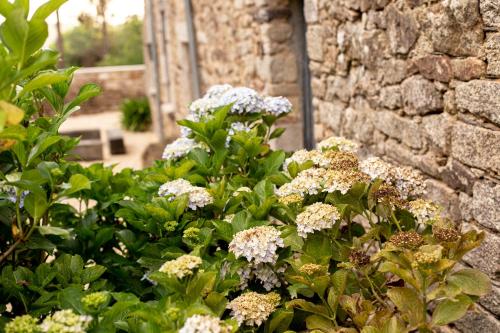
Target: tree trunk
[(60, 40)]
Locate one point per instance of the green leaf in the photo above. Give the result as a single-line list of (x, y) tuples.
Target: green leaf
[(90, 274), (279, 321), (409, 303), (316, 322), (47, 8), (5, 7), (38, 34), (36, 205), (14, 33), (56, 231), (450, 310), (42, 80), (70, 298), (76, 183), (86, 92), (277, 133), (16, 132), (471, 282), (42, 145)]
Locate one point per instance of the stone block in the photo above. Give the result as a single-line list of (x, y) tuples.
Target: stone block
[(420, 96), (492, 48), (390, 97), (458, 176), (480, 97), (402, 29), (331, 114), (490, 10), (400, 128), (437, 129), (115, 141), (393, 71), (358, 124), (445, 197), (465, 12), (486, 257), (449, 102), (468, 69), (434, 67), (486, 204), (284, 68), (277, 31), (311, 11), (315, 44), (476, 146), (491, 302), (478, 321), (465, 205), (449, 37), (89, 150)]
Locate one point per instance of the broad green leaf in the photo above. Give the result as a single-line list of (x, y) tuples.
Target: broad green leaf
[(5, 7), (90, 274), (86, 92), (70, 298), (16, 132), (13, 114), (451, 310), (14, 33), (48, 230), (38, 34), (36, 205), (471, 281), (279, 321), (43, 144), (42, 80), (370, 329), (409, 303), (76, 183), (47, 8), (394, 325), (316, 322)]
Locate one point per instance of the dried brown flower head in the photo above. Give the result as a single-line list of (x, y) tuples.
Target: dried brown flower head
[(388, 194), (339, 160), (445, 234), (359, 258), (407, 239)]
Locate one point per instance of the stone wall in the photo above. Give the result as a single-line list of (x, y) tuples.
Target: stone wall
[(117, 84), (417, 82)]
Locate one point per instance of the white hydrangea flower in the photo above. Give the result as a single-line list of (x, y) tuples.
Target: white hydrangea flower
[(257, 245), (218, 90), (315, 217), (340, 143), (343, 180), (264, 274), (244, 100), (277, 105), (182, 266), (375, 167), (198, 196), (180, 148), (253, 309), (301, 156), (309, 181), (66, 321), (204, 324), (202, 107), (424, 211)]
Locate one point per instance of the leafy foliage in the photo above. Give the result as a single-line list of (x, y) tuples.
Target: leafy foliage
[(136, 114), (224, 234)]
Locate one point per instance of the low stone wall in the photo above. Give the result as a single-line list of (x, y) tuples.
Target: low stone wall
[(117, 83), (417, 81)]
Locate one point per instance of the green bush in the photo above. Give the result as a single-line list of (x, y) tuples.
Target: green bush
[(136, 114), (224, 234)]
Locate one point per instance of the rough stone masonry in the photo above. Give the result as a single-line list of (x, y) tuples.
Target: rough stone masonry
[(417, 82), (414, 81)]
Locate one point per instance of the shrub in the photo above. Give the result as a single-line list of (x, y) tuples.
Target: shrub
[(224, 234), (136, 114)]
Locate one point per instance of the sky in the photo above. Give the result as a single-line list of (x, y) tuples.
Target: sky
[(118, 11)]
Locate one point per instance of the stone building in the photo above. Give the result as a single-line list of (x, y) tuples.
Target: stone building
[(414, 81)]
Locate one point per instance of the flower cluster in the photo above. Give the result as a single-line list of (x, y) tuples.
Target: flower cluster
[(277, 105), (252, 308), (236, 127), (428, 254), (317, 216), (243, 100), (407, 239), (95, 300), (66, 321), (23, 324), (204, 324), (257, 245), (182, 266), (407, 180), (313, 269), (339, 143), (424, 211), (180, 148), (267, 277), (198, 196)]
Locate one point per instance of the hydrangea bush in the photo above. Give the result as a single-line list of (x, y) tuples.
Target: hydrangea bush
[(223, 234)]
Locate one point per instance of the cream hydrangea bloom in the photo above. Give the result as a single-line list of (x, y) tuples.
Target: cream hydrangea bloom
[(315, 217), (180, 148), (257, 245), (198, 196), (424, 211), (204, 324), (66, 321), (340, 143), (253, 309), (182, 266)]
